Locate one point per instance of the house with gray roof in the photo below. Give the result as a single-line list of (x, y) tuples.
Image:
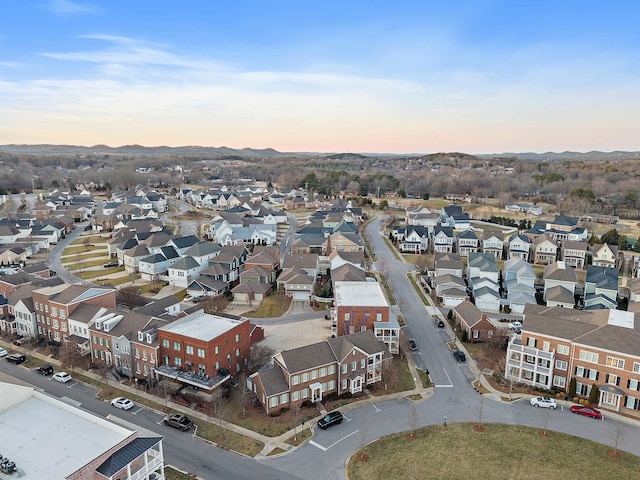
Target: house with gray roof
[(605, 255), (519, 247), (468, 242), (601, 287), (560, 274), (347, 364)]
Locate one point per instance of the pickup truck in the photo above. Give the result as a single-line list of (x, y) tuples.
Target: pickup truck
[(180, 421)]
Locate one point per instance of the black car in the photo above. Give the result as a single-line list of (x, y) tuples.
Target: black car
[(459, 355), (329, 419), (16, 358), (439, 323), (110, 265), (45, 369), (413, 346)]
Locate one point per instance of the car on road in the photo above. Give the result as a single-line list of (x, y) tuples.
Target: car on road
[(62, 377), (45, 369), (459, 355), (544, 402), (16, 358), (180, 421), (413, 346), (122, 403), (515, 326), (439, 323), (329, 419), (586, 411), (3, 352)]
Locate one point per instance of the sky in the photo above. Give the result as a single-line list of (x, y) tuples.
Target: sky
[(424, 76)]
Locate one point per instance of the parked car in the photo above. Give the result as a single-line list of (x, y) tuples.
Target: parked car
[(439, 323), (329, 419), (515, 326), (122, 403), (62, 377), (413, 346), (544, 402), (110, 265), (16, 358), (586, 411), (459, 355), (3, 352), (45, 369), (180, 421)]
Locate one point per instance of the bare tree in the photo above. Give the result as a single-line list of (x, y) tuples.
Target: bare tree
[(296, 406), (422, 262), (214, 304), (245, 393), (69, 355), (363, 436), (413, 418), (617, 434), (130, 297), (259, 356), (219, 404)]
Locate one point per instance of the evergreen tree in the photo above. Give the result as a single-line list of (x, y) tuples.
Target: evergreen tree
[(594, 395), (572, 387)]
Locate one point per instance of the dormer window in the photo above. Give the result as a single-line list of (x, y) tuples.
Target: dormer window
[(140, 336)]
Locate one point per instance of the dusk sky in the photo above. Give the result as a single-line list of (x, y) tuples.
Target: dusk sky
[(360, 76)]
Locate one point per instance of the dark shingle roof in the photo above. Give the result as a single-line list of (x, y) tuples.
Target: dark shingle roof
[(126, 455)]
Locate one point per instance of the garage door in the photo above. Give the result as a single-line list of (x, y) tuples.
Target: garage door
[(301, 295)]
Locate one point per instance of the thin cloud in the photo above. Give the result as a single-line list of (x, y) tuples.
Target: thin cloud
[(66, 8)]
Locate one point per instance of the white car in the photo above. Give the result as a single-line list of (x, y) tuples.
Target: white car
[(62, 377), (515, 326), (544, 402), (123, 403), (3, 352)]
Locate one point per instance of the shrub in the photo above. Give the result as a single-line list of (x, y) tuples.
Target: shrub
[(594, 395)]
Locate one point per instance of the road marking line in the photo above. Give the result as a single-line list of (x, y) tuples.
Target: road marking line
[(317, 445), (137, 411), (73, 385), (347, 419), (443, 386), (448, 377), (374, 406)]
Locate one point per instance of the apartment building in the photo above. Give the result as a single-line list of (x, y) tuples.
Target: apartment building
[(337, 366), (599, 348)]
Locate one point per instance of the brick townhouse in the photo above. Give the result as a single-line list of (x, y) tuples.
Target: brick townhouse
[(200, 347), (361, 306), (598, 348), (337, 366), (53, 305)]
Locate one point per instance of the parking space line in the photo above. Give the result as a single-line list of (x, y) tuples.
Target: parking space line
[(374, 406), (346, 418), (73, 385), (311, 442), (137, 411), (324, 449)]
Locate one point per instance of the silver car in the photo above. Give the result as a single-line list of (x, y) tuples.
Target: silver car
[(544, 402)]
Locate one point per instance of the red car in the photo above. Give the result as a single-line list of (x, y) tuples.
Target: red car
[(586, 411)]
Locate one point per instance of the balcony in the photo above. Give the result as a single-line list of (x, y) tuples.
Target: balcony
[(154, 462), (195, 379)]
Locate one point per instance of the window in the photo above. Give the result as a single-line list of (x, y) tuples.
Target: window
[(632, 384), (615, 362), (237, 338), (177, 361), (331, 385), (284, 398), (378, 317), (561, 365), (593, 374), (237, 352), (363, 328), (579, 371), (563, 349), (201, 353), (305, 377), (314, 374), (144, 354), (344, 384), (331, 369), (613, 379), (189, 350), (323, 372), (545, 346), (273, 401), (630, 402), (531, 342), (295, 380), (476, 333), (295, 396), (352, 329), (353, 366), (137, 351), (165, 343), (559, 381), (305, 392), (62, 313), (217, 350), (55, 323), (176, 346), (217, 365), (228, 357), (347, 317), (636, 367), (344, 368), (54, 311), (362, 363), (588, 356)]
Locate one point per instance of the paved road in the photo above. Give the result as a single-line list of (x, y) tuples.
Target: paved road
[(53, 259)]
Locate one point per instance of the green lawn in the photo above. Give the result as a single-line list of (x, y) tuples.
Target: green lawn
[(458, 451)]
